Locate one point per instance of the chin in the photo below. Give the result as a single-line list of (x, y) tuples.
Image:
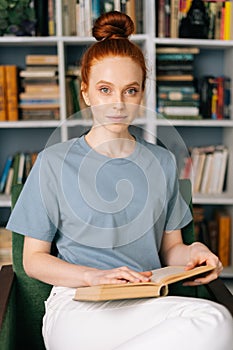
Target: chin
[(117, 127)]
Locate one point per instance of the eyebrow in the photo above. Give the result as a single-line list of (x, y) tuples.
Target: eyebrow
[(109, 83)]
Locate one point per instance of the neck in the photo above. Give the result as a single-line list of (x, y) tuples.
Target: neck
[(111, 144)]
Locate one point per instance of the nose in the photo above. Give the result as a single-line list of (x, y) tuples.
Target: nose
[(118, 103)]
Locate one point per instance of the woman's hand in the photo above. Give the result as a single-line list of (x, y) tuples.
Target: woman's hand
[(119, 275), (199, 255)]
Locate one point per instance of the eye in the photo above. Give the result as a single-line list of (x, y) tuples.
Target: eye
[(131, 91), (105, 90)]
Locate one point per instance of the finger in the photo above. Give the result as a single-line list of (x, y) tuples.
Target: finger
[(146, 273), (203, 280), (135, 276)]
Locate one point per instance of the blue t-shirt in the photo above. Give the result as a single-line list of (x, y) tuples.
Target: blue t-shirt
[(102, 212)]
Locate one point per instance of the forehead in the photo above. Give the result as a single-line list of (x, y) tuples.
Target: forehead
[(116, 69)]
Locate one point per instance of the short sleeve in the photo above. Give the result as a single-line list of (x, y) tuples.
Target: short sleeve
[(178, 211), (30, 216)]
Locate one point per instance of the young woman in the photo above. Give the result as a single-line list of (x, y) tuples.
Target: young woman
[(111, 202)]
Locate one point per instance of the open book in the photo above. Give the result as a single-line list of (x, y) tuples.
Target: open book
[(158, 286)]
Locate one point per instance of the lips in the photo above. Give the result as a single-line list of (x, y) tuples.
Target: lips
[(117, 118)]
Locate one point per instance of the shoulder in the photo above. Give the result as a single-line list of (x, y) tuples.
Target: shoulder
[(160, 152), (58, 148)]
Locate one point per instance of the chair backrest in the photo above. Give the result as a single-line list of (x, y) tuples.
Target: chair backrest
[(31, 294)]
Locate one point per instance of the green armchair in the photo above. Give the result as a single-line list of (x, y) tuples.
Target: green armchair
[(22, 298)]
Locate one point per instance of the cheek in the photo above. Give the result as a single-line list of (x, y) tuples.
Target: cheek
[(132, 109)]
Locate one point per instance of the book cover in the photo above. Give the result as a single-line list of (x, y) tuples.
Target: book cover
[(158, 286), (12, 93)]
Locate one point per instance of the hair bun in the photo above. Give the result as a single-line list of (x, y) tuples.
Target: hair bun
[(113, 25)]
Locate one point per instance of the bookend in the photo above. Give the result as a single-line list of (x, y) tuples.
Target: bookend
[(22, 298)]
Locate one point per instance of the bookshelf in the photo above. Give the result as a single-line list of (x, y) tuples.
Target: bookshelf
[(215, 57)]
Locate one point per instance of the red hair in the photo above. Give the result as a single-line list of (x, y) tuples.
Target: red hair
[(112, 30)]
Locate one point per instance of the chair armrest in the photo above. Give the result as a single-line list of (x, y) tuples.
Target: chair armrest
[(221, 294), (6, 282)]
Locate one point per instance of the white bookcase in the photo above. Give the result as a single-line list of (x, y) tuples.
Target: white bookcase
[(32, 135)]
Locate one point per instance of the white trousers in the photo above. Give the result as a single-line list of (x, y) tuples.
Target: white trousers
[(162, 323)]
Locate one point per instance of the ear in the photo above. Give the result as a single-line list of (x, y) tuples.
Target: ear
[(85, 94)]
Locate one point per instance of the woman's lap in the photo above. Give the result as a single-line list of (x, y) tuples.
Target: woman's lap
[(135, 324)]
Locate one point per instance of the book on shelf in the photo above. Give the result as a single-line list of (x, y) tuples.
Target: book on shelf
[(158, 286), (12, 92), (178, 96), (41, 60), (8, 93), (180, 111), (224, 236), (177, 50), (40, 114), (38, 72), (5, 246), (175, 77), (3, 98)]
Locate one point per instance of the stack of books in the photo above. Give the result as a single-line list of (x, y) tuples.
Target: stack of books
[(41, 98), (177, 95)]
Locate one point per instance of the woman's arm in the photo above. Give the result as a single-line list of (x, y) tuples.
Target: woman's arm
[(40, 264), (175, 252)]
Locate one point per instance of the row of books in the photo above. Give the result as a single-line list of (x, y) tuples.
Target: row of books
[(174, 19), (8, 93), (214, 232), (16, 169), (79, 16), (40, 98), (207, 168), (215, 97)]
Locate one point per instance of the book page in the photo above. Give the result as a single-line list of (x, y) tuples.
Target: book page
[(172, 274), (159, 274)]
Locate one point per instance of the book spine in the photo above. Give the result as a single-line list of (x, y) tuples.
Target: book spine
[(41, 10), (131, 12), (161, 19), (3, 102), (227, 22), (12, 93), (5, 173), (174, 19), (51, 17), (224, 228)]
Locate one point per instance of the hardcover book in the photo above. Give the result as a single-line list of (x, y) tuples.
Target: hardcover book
[(158, 286)]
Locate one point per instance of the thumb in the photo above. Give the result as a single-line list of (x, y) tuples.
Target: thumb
[(190, 265)]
